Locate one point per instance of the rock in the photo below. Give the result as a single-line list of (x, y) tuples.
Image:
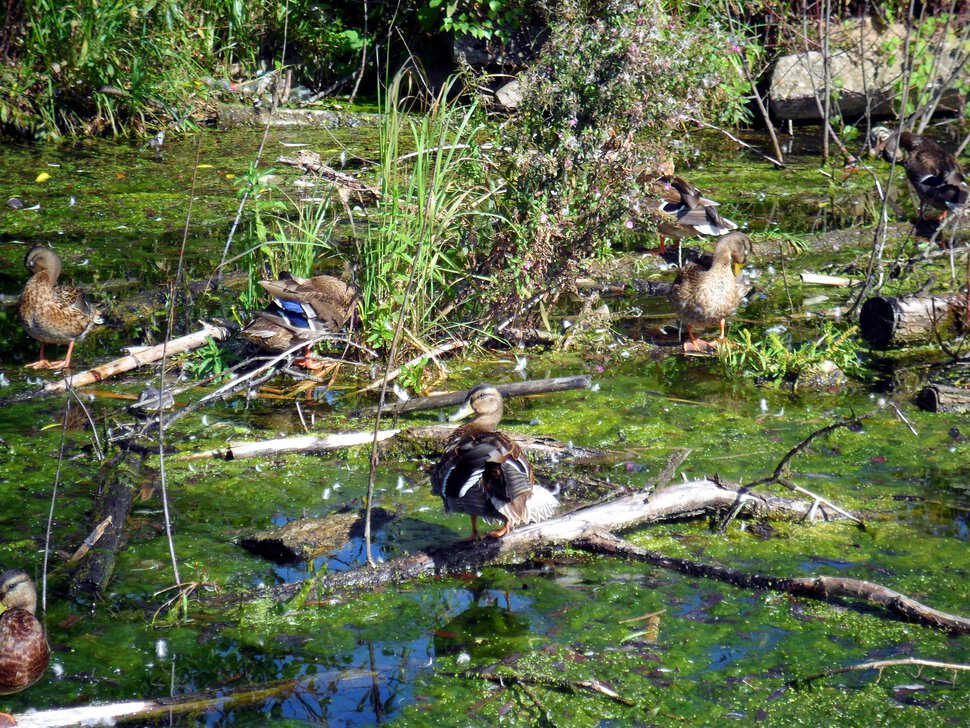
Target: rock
[(308, 538), (826, 377), (864, 69), (509, 96)]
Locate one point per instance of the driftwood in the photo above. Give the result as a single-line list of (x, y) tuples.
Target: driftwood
[(682, 500), (308, 538), (113, 504), (881, 665), (820, 279), (137, 357), (890, 321), (310, 161), (590, 529), (431, 434), (515, 389), (936, 397), (222, 699)]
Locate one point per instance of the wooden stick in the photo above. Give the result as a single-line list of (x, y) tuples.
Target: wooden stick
[(138, 357), (819, 279), (880, 665), (515, 389), (393, 374)]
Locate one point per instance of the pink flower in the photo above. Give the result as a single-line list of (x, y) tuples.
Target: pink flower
[(629, 224), (735, 48), (543, 218), (573, 121)]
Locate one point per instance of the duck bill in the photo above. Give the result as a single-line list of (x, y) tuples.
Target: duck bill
[(462, 413), (736, 267)]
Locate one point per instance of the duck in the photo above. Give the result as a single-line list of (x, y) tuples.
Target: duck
[(703, 296), (302, 308), (682, 209), (933, 172), (24, 653), (53, 314), (485, 474)]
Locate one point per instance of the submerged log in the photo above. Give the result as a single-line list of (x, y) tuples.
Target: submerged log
[(890, 321), (943, 398), (112, 506), (308, 538), (514, 389)]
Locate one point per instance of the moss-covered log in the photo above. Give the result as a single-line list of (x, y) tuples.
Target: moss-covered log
[(886, 321), (936, 397)]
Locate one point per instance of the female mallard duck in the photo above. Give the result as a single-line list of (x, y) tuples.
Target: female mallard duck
[(683, 210), (705, 296), (24, 653), (53, 314), (484, 473), (302, 309), (934, 173)]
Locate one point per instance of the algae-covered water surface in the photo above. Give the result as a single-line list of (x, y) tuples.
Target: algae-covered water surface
[(564, 640)]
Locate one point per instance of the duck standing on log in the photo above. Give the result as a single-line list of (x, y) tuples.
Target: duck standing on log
[(24, 653), (485, 474), (50, 313), (934, 173), (302, 309), (707, 296)]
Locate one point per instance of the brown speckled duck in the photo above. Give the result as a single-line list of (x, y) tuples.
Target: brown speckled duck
[(302, 308), (24, 653), (485, 474), (705, 296), (53, 314), (934, 173), (682, 210)]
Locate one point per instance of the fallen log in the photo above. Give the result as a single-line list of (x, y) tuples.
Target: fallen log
[(936, 397), (138, 357), (886, 321), (112, 506), (421, 437), (682, 500), (514, 389), (824, 588), (221, 698)]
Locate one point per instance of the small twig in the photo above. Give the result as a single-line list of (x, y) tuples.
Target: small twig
[(91, 540), (880, 665), (674, 461), (729, 135), (644, 617), (504, 678)]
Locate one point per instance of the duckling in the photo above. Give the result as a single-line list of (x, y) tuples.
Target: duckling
[(683, 210), (934, 173), (703, 296), (301, 309), (484, 473), (24, 653), (53, 314)]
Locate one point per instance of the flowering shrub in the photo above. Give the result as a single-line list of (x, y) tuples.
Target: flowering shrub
[(612, 84)]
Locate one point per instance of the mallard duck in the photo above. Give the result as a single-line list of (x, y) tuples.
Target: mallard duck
[(24, 653), (683, 211), (302, 309), (934, 173), (484, 473), (53, 314), (705, 296)]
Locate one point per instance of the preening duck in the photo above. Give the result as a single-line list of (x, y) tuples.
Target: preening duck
[(485, 474), (705, 296), (935, 174), (50, 313), (682, 210), (302, 309)]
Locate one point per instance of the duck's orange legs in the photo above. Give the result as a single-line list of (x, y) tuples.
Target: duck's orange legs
[(42, 363), (695, 344), (475, 536), (498, 533)]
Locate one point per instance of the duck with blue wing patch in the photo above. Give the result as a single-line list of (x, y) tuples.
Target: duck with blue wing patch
[(485, 474), (302, 309)]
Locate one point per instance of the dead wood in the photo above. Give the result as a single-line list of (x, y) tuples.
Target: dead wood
[(310, 161), (935, 397), (886, 321), (881, 665), (308, 538), (825, 588), (223, 699), (515, 389), (501, 675), (683, 500), (112, 505), (422, 438), (137, 357), (394, 373)]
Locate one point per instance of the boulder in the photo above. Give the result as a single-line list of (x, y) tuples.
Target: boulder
[(509, 96), (866, 69)]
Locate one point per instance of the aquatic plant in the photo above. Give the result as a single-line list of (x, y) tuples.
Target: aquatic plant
[(773, 358)]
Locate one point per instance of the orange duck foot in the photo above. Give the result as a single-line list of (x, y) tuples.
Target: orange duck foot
[(698, 346), (498, 533)]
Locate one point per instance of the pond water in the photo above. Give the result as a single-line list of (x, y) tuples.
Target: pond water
[(714, 654)]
